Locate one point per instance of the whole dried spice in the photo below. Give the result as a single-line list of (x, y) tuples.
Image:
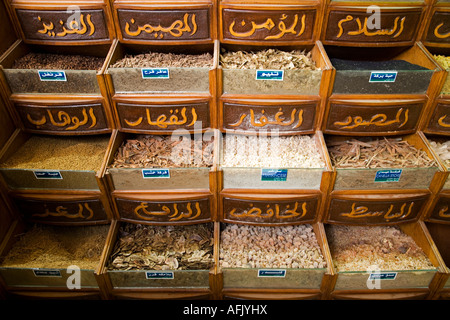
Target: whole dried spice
[(268, 59), (377, 153), (150, 151), (59, 153), (444, 61), (141, 247), (58, 62), (443, 151), (172, 60), (274, 152), (58, 247), (358, 248), (243, 246)]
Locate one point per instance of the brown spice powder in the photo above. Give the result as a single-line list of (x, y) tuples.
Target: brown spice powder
[(59, 153)]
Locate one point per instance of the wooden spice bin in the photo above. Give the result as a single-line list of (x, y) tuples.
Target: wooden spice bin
[(263, 22), (74, 22), (437, 25), (393, 284), (54, 274), (295, 82), (163, 115), (83, 177), (165, 22), (346, 23), (157, 284), (379, 178), (277, 283), (55, 82), (177, 80), (191, 179)]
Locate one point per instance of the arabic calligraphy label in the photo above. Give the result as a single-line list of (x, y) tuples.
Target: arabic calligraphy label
[(160, 25), (286, 25), (277, 75), (58, 25), (64, 120), (52, 75), (39, 174), (442, 123), (383, 76), (155, 73), (388, 175), (359, 212), (174, 211), (61, 211), (395, 31), (274, 174), (155, 173)]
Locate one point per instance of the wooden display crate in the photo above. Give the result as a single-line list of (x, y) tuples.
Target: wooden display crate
[(165, 22), (73, 22), (350, 23), (56, 179), (243, 82), (400, 178), (148, 114), (265, 22), (393, 284), (200, 80), (157, 284), (63, 116), (279, 283), (437, 26), (54, 82), (51, 281), (191, 179)]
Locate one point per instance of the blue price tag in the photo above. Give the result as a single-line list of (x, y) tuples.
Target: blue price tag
[(159, 275), (388, 175), (383, 76), (272, 273), (155, 73), (155, 173), (47, 174), (274, 174), (383, 276), (52, 75), (276, 75), (46, 273)]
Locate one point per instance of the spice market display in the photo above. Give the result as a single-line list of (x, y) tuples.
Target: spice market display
[(225, 149)]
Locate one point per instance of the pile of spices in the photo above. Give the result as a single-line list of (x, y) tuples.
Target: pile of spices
[(58, 62), (356, 248), (58, 247), (59, 153), (243, 246), (444, 61), (150, 151), (343, 64), (443, 151), (268, 59), (377, 153), (157, 60), (271, 152), (141, 247)]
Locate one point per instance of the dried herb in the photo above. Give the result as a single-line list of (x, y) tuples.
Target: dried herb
[(268, 59), (58, 61), (157, 60), (377, 153), (141, 247)]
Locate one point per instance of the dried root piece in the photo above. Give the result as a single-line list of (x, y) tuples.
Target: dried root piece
[(158, 60), (268, 59), (443, 150)]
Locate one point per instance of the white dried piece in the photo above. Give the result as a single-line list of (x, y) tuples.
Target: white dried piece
[(443, 150), (268, 59), (357, 248), (271, 152), (243, 246)]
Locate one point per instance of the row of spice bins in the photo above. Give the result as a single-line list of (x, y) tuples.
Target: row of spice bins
[(232, 21)]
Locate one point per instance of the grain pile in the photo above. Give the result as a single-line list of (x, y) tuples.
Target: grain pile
[(268, 59), (47, 61), (59, 153), (356, 248), (444, 61), (58, 247), (167, 60), (141, 247), (377, 153), (243, 246), (150, 151), (272, 152), (443, 151)]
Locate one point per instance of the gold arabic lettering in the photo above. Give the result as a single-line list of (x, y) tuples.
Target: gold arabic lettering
[(73, 27), (443, 214), (377, 120), (279, 119), (65, 119), (363, 212), (166, 211), (269, 213), (438, 35), (61, 211), (442, 123), (162, 122), (176, 29), (362, 29), (269, 25)]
